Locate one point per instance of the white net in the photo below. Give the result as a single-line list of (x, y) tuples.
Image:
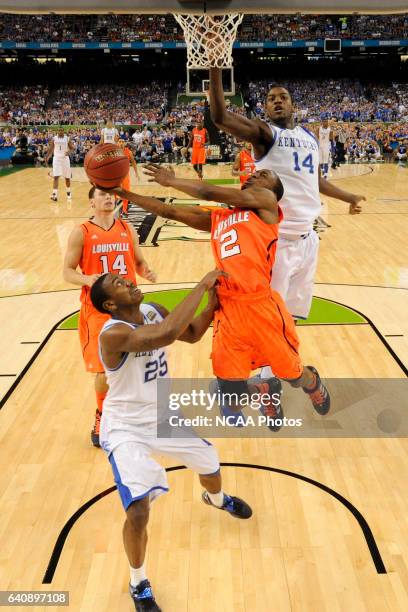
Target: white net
[(209, 38)]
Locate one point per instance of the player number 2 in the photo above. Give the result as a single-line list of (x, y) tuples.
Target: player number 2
[(307, 162), (118, 266), (228, 246)]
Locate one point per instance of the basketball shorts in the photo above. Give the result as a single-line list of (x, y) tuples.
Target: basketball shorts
[(294, 271), (198, 156), (137, 474), (61, 166), (252, 331), (90, 324), (324, 155)]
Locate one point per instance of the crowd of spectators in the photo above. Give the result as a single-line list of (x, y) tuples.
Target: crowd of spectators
[(83, 104), (169, 143), (159, 28), (340, 99)]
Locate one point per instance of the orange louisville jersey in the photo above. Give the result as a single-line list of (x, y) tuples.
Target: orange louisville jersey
[(199, 138), (246, 164), (127, 152), (105, 251), (244, 246)]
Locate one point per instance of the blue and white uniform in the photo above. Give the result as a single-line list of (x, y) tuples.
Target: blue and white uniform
[(324, 144), (61, 165), (294, 156), (130, 417)]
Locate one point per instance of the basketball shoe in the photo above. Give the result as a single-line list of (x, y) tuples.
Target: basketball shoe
[(143, 597), (235, 418), (95, 430), (319, 395), (235, 506), (272, 409)]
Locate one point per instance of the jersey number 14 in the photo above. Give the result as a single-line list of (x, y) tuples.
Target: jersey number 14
[(118, 265), (306, 163)]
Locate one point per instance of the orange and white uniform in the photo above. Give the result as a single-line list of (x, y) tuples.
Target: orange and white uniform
[(252, 327), (198, 153), (246, 164), (104, 251)]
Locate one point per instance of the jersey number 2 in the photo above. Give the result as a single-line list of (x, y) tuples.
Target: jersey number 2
[(118, 266), (228, 244)]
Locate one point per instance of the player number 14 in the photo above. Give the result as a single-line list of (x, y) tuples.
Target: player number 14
[(306, 163), (118, 265)]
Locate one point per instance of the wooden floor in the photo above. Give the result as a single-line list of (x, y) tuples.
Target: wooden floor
[(302, 550)]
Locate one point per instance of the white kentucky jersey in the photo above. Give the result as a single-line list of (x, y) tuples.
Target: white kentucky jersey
[(110, 135), (294, 156), (324, 137), (132, 398), (60, 146)]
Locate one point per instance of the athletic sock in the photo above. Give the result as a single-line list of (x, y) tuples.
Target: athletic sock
[(68, 193), (266, 372), (313, 385), (137, 575), (55, 192), (217, 498)]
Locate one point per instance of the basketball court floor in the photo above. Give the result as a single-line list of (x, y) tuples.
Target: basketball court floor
[(307, 546)]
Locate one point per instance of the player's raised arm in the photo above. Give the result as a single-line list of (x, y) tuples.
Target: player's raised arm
[(260, 191), (122, 339), (253, 131), (193, 216)]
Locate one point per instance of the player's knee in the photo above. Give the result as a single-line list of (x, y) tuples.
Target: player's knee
[(232, 391), (138, 514)]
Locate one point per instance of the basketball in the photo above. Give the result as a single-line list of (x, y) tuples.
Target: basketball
[(106, 165)]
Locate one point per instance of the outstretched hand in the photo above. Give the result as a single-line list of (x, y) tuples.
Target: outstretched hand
[(159, 174), (355, 206)]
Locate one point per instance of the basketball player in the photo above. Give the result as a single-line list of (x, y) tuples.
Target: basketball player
[(60, 147), (244, 165), (401, 154), (126, 181), (102, 244), (293, 153), (325, 141), (252, 327), (132, 346), (109, 134), (198, 139)]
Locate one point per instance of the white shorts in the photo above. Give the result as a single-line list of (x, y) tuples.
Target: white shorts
[(401, 156), (324, 156), (138, 475), (294, 271), (61, 166)]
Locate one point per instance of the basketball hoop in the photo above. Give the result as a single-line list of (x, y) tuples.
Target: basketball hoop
[(209, 38)]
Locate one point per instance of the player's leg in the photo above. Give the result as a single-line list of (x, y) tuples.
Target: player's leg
[(201, 456), (56, 173), (232, 360), (139, 480), (287, 262), (89, 326), (125, 185), (275, 334)]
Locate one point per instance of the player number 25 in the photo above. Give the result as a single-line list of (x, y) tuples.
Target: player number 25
[(228, 244), (118, 266), (156, 368)]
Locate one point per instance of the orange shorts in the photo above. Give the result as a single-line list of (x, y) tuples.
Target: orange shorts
[(251, 331), (198, 156), (90, 325)]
